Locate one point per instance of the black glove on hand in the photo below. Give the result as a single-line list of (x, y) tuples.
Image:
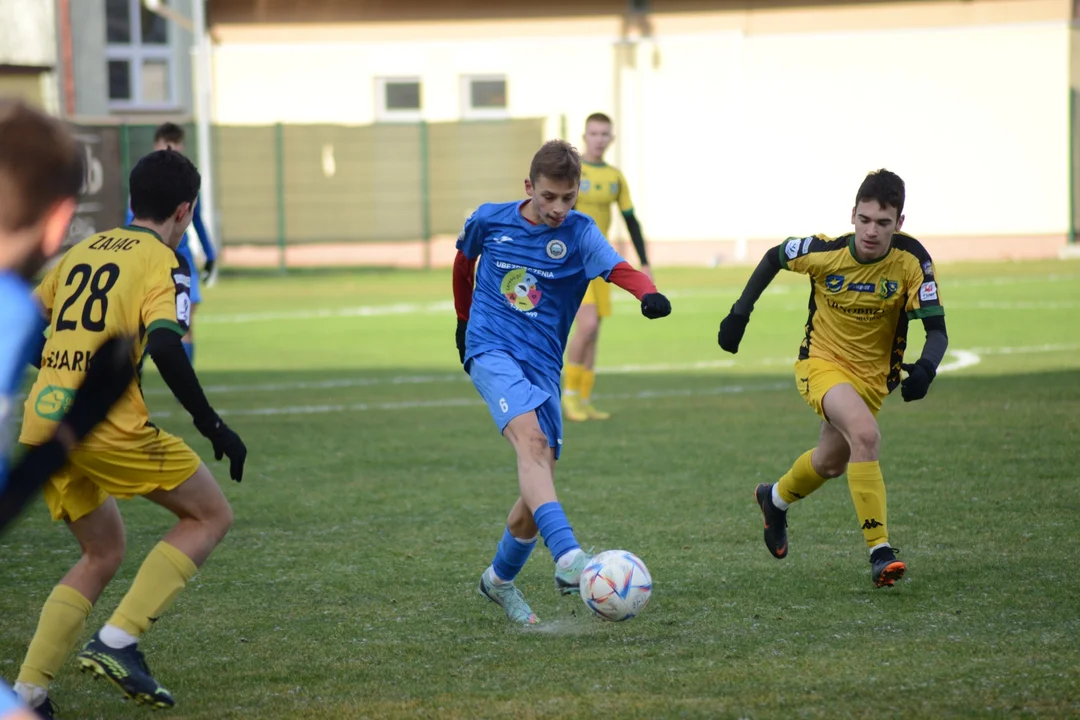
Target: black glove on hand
[(226, 443), (208, 270), (731, 331), (655, 305), (920, 374), (112, 368), (462, 327)]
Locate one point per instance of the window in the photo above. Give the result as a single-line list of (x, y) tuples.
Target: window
[(483, 97), (397, 99), (138, 57)]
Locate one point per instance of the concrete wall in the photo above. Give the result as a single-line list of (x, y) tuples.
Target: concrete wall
[(734, 126)]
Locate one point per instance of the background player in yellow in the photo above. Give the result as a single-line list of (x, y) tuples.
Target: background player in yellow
[(867, 285), (601, 186), (129, 281)]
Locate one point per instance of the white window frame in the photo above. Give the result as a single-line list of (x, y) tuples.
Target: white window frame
[(384, 114), (468, 112), (135, 53)]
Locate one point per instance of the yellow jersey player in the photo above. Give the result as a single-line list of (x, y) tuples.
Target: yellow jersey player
[(126, 281), (866, 287), (601, 187)]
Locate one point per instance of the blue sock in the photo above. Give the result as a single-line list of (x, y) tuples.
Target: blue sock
[(189, 348), (511, 555), (558, 535)]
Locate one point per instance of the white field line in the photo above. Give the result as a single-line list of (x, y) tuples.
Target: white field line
[(963, 359), (468, 402), (447, 306)]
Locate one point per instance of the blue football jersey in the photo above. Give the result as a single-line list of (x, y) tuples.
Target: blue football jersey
[(21, 325), (530, 281)]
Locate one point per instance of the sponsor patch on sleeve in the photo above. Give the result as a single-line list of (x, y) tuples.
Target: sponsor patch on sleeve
[(791, 249), (928, 292)]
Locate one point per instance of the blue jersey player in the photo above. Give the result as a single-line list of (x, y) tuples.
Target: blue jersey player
[(536, 259), (170, 136), (40, 177)]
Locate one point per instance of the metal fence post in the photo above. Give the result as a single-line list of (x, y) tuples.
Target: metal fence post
[(125, 165), (279, 171), (425, 194)]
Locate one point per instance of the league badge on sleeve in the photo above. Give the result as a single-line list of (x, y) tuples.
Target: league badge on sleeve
[(791, 249), (928, 292)]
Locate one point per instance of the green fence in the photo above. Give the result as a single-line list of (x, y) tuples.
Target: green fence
[(288, 184)]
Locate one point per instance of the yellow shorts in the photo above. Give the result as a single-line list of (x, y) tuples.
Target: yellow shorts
[(814, 377), (159, 462), (599, 294)]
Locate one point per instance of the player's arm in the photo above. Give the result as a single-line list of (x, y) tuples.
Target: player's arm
[(166, 313), (734, 325), (110, 373), (633, 227), (204, 238), (470, 244), (602, 260), (924, 303)]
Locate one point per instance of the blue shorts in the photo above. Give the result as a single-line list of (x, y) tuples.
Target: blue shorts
[(511, 388), (185, 251), (9, 702)]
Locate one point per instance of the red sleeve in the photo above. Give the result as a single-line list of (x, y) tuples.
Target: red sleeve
[(633, 281), (463, 284)]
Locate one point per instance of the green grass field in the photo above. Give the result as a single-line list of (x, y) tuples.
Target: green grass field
[(377, 487)]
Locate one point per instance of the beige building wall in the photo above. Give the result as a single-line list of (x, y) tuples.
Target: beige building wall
[(734, 126)]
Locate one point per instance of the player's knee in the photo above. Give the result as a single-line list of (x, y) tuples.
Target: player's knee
[(830, 468), (221, 519), (866, 439), (534, 446), (104, 560)]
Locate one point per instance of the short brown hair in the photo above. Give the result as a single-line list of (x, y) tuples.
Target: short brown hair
[(556, 160), (598, 117), (884, 186), (170, 133), (40, 165)]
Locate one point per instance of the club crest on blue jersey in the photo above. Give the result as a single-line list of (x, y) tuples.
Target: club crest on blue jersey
[(834, 283), (556, 249), (520, 288)]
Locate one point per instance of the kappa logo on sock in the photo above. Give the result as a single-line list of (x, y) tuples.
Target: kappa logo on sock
[(871, 524)]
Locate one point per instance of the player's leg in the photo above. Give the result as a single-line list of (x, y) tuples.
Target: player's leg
[(588, 374), (100, 534), (536, 481), (586, 326), (850, 415), (809, 472), (497, 582), (204, 517)]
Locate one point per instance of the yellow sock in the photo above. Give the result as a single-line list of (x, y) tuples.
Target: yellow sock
[(867, 488), (62, 621), (160, 579), (588, 379), (800, 480), (572, 385)]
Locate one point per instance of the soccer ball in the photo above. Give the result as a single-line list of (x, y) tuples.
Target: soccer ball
[(616, 585)]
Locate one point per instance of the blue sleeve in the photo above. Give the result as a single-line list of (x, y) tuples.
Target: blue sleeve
[(129, 216), (597, 254), (200, 229), (20, 323), (471, 239), (9, 701)]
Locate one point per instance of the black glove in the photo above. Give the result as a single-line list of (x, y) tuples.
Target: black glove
[(731, 331), (920, 374), (208, 270), (462, 327), (226, 443), (655, 305), (112, 368)]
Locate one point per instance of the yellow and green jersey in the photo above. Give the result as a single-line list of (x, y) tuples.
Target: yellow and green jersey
[(602, 186), (125, 281), (859, 311)]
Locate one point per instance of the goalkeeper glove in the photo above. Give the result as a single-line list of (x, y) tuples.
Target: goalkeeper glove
[(462, 328), (731, 331), (226, 443), (920, 374), (655, 305)]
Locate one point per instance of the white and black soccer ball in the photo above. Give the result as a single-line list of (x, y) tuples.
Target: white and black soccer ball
[(616, 585)]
